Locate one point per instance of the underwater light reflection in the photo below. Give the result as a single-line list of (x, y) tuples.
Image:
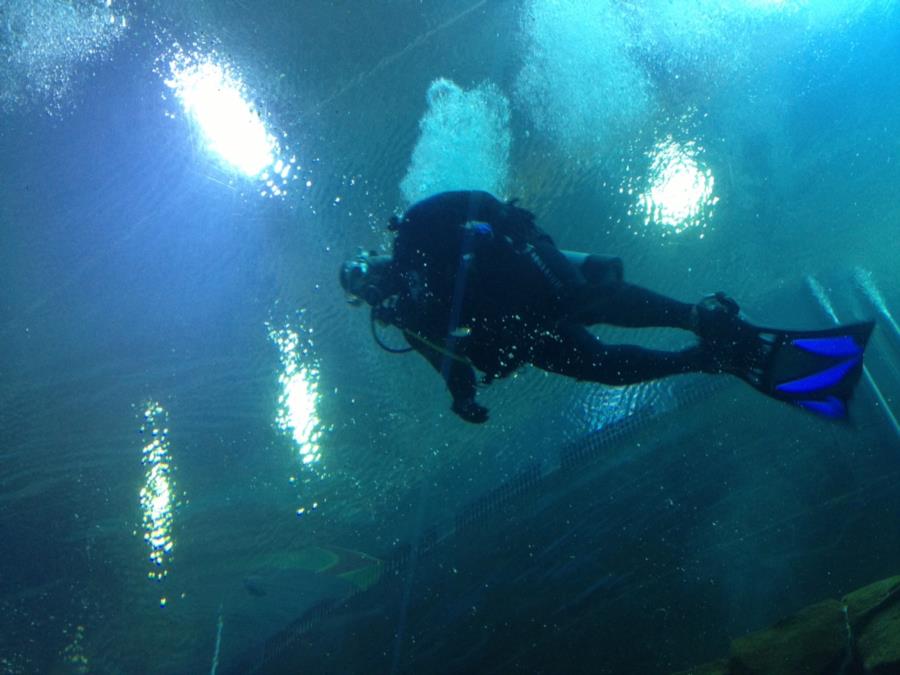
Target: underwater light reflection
[(158, 493), (679, 193), (297, 404), (219, 105), (215, 100)]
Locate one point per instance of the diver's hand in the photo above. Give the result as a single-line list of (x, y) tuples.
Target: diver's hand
[(715, 317), (470, 411)]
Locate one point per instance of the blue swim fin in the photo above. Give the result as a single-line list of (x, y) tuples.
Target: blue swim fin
[(815, 370)]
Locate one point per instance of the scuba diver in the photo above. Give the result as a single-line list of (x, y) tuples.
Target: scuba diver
[(475, 284)]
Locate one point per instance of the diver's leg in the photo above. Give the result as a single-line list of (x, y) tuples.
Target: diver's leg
[(574, 352), (624, 304)]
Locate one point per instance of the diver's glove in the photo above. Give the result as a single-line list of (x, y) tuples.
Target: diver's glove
[(469, 410), (715, 317), (716, 321)]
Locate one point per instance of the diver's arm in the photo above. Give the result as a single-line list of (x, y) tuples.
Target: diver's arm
[(458, 375)]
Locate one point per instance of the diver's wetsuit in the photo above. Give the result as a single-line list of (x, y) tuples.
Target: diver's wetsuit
[(478, 284)]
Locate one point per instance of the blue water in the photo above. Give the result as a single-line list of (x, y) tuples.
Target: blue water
[(146, 281)]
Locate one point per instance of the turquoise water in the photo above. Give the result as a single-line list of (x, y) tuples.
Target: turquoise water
[(199, 440)]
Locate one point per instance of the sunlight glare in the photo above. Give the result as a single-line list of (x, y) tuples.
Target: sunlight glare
[(216, 101), (158, 493), (298, 401), (679, 194)]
